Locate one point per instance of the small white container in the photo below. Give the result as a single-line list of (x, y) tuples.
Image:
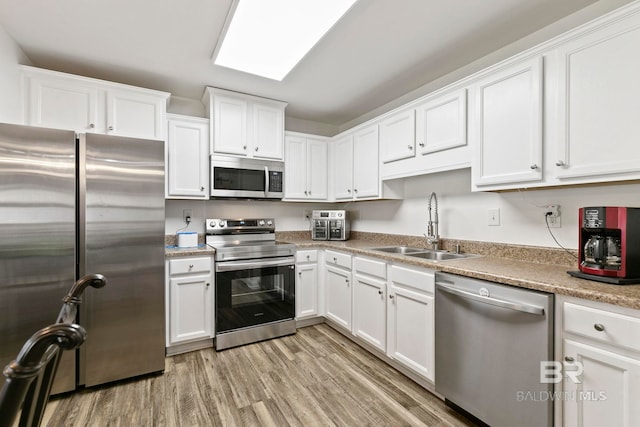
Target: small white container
[(187, 239)]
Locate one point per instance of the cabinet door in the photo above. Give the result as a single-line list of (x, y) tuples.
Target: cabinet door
[(608, 390), (187, 163), (441, 123), (598, 103), (295, 185), (508, 125), (268, 131), (230, 125), (369, 310), (191, 308), (136, 115), (410, 330), (307, 291), (338, 296), (398, 136), (61, 103), (366, 182), (343, 168), (317, 168)]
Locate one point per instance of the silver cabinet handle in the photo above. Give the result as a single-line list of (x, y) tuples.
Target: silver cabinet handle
[(208, 284), (347, 281), (598, 327), (308, 257), (201, 188), (190, 265), (110, 128), (335, 260), (300, 273), (525, 308), (348, 190), (380, 292), (91, 126), (256, 148), (421, 144), (569, 359), (534, 167), (244, 147), (559, 163), (390, 296), (410, 147), (355, 190)]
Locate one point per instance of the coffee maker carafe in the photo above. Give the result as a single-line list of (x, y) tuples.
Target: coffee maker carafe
[(609, 243)]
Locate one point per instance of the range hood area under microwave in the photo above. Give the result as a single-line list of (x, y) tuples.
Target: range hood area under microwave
[(238, 178)]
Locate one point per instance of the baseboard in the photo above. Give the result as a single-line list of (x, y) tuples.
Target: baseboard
[(187, 347)]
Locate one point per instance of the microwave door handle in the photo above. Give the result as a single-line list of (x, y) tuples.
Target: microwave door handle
[(266, 180)]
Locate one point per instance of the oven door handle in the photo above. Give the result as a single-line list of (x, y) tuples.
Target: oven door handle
[(249, 264)]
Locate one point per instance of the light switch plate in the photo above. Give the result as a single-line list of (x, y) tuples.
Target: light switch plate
[(493, 217)]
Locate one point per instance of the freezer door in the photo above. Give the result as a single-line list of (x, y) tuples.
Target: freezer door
[(37, 237), (121, 182)]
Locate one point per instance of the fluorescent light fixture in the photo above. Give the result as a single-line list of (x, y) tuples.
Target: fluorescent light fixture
[(269, 37)]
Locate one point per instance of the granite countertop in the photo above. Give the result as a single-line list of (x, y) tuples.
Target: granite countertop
[(172, 251), (530, 275)]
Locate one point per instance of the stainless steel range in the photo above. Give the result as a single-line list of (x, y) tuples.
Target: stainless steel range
[(254, 281)]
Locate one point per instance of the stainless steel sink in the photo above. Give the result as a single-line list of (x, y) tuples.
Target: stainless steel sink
[(402, 250), (422, 253), (440, 256)]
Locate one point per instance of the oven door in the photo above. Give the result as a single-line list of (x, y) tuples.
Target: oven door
[(254, 292)]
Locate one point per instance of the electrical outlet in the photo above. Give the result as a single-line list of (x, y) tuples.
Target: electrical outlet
[(552, 216), (493, 217), (307, 214), (186, 215)]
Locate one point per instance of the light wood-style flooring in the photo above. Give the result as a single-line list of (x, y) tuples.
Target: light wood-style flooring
[(316, 377)]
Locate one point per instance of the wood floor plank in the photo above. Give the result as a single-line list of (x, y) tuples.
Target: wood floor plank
[(316, 377)]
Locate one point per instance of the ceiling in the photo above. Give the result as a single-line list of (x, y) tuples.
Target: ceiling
[(380, 50)]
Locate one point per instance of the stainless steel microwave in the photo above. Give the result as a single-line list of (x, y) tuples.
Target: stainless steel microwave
[(234, 177)]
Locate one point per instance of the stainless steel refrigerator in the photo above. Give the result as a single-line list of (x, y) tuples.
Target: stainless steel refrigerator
[(71, 206)]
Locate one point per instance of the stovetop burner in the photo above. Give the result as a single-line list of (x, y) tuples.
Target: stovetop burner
[(236, 239)]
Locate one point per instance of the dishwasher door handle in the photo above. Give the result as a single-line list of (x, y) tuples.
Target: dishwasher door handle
[(525, 308)]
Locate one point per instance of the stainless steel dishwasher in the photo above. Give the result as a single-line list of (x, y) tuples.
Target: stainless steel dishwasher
[(490, 340)]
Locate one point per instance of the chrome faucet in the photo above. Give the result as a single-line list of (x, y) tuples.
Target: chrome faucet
[(432, 225)]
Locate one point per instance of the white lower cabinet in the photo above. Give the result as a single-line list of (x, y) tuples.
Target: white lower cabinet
[(410, 319), (369, 302), (338, 295), (602, 348), (190, 296), (306, 284)]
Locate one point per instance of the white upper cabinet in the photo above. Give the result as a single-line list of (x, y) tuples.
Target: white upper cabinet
[(366, 180), (398, 136), (187, 157), (441, 123), (64, 101), (342, 168), (598, 95), (306, 163), (507, 125), (244, 125)]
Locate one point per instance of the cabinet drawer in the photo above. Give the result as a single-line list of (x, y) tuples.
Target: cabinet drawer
[(338, 258), (370, 266), (307, 256), (189, 265), (417, 279), (612, 328)]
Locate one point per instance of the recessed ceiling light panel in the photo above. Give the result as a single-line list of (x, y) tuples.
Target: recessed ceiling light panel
[(268, 38)]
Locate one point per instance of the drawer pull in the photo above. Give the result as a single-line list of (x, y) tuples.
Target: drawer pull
[(569, 359), (208, 284), (598, 327), (380, 292), (190, 265)]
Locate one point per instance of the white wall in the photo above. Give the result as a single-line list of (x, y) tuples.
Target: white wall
[(289, 216), (10, 93), (464, 215)]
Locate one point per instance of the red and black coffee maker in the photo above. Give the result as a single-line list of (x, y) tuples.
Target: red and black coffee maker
[(609, 244)]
